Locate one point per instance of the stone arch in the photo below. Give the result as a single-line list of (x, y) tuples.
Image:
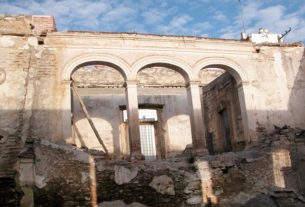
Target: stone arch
[(178, 65), (223, 63), (81, 60), (240, 76), (65, 77)]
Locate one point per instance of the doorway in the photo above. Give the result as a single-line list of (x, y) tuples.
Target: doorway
[(148, 120), (226, 130), (148, 140)]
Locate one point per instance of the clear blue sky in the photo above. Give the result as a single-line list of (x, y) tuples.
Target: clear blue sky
[(209, 18)]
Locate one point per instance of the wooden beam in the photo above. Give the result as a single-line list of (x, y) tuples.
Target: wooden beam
[(89, 118)]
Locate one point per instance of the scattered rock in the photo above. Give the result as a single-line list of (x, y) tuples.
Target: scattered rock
[(116, 203), (242, 198), (194, 200), (124, 175), (135, 204), (192, 186), (300, 134), (260, 201), (163, 184), (85, 177), (119, 203), (40, 181)]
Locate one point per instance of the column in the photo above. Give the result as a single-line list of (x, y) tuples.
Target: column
[(66, 124), (247, 111), (27, 173), (133, 119), (197, 126)]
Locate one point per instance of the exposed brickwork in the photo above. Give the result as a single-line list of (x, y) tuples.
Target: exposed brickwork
[(15, 25), (221, 94), (9, 151), (43, 24)]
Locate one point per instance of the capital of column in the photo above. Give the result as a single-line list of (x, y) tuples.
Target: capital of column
[(131, 83), (193, 83)]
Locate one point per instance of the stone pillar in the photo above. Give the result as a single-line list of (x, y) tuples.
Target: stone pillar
[(66, 124), (133, 119), (248, 120), (27, 173), (197, 126)]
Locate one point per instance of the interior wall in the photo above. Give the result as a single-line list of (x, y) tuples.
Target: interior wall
[(103, 107), (221, 94), (175, 119)]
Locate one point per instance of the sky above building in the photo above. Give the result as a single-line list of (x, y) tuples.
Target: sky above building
[(207, 18)]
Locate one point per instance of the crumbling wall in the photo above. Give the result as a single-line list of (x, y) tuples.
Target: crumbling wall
[(68, 176), (10, 192), (28, 80), (104, 104), (174, 117), (20, 53), (278, 87), (221, 94), (14, 65), (101, 89)]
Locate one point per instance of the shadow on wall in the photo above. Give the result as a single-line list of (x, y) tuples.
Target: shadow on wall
[(107, 117), (67, 175), (79, 176), (296, 104)]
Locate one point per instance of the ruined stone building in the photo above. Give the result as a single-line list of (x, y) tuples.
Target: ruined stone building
[(127, 119)]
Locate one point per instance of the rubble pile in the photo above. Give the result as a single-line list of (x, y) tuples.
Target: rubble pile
[(266, 173)]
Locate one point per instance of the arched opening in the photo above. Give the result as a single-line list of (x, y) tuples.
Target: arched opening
[(100, 86), (222, 111), (163, 87)]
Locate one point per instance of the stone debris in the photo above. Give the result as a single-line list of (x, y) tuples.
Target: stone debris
[(261, 201), (194, 200), (119, 203), (237, 179), (124, 175), (192, 186), (163, 184), (242, 198)]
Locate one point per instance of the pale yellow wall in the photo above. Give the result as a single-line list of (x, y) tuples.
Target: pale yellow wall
[(272, 79)]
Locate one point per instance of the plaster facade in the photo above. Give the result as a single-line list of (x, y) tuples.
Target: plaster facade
[(129, 71), (38, 69)]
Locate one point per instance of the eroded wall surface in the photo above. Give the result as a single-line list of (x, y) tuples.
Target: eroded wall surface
[(255, 177), (103, 105), (272, 77), (36, 102), (219, 95), (278, 86)]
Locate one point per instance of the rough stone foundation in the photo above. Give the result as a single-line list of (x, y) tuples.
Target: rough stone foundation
[(67, 176)]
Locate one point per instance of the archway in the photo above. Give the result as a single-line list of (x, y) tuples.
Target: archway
[(100, 86), (162, 86), (224, 110)]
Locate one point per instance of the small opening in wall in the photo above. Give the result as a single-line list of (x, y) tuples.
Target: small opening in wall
[(32, 26), (40, 41), (1, 137)]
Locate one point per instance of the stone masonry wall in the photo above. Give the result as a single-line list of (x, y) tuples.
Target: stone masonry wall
[(221, 94), (67, 176)]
